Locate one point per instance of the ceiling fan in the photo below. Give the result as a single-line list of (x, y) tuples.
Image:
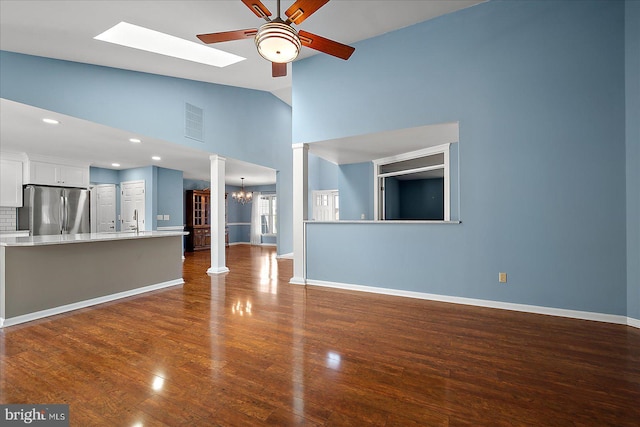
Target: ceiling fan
[(277, 41)]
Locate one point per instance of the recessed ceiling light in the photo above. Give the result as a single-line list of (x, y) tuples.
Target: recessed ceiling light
[(51, 121), (115, 165), (135, 140), (156, 158), (130, 35)]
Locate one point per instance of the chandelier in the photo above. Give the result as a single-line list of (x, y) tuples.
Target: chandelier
[(242, 196)]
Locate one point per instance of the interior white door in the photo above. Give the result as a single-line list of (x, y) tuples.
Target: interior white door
[(105, 207), (325, 205), (132, 201)]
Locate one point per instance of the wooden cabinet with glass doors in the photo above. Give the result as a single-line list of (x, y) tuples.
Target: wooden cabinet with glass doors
[(198, 216)]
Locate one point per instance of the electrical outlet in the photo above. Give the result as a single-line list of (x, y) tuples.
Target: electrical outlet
[(159, 217), (502, 277), (166, 217)]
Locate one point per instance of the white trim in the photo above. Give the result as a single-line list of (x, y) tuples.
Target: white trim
[(285, 256), (217, 215), (220, 270), (87, 303), (411, 171), (171, 228), (436, 149), (238, 223), (575, 314), (297, 281), (248, 243), (300, 207), (442, 148), (633, 322)]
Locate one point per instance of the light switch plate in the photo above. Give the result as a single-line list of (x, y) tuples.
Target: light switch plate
[(166, 217), (159, 217)]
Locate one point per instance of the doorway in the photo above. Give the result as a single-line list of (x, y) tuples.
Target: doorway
[(326, 205), (105, 207), (132, 205)]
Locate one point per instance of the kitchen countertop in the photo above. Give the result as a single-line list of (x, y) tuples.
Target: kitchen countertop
[(59, 239)]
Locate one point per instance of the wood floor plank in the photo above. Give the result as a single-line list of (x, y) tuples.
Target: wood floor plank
[(247, 348)]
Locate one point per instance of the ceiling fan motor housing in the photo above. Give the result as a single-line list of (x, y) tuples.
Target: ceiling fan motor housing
[(278, 42)]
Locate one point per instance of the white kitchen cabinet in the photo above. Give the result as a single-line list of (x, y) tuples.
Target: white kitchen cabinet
[(44, 173), (10, 183)]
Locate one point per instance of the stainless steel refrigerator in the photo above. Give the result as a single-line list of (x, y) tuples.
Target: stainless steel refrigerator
[(54, 210)]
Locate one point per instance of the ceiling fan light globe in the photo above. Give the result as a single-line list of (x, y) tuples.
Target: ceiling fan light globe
[(278, 42)]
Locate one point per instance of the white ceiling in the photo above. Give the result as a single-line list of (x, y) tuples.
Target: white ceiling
[(65, 30), (23, 131)]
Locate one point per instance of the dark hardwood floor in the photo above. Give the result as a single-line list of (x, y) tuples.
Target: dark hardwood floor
[(249, 349)]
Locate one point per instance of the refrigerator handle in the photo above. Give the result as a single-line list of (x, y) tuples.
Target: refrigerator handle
[(65, 222), (62, 214)]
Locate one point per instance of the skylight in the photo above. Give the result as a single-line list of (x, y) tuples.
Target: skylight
[(130, 35)]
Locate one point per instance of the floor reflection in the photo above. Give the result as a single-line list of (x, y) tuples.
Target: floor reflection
[(268, 273)]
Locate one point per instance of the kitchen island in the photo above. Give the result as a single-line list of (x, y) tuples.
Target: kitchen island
[(46, 275)]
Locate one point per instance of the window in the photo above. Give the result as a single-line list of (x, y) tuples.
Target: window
[(413, 186), (269, 214)]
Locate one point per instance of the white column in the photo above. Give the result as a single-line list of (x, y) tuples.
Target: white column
[(300, 210), (218, 255)]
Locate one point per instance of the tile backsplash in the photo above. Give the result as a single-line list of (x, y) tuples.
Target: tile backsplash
[(7, 219)]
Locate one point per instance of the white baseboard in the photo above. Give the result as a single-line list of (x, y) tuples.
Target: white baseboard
[(87, 303), (218, 270), (249, 243), (285, 256), (575, 314), (299, 281)]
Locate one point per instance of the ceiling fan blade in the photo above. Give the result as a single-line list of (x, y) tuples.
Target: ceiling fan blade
[(258, 8), (278, 69), (302, 9), (226, 36), (322, 44)]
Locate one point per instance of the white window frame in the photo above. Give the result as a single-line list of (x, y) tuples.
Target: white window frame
[(271, 214), (443, 148)]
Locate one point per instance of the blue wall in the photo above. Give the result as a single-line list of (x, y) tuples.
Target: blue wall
[(195, 184), (632, 39), (539, 91), (323, 175), (103, 176), (170, 197), (152, 105), (355, 183)]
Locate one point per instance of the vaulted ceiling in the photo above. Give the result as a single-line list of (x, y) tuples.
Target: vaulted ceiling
[(65, 30)]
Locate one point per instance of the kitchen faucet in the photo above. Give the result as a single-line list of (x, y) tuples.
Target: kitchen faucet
[(135, 217)]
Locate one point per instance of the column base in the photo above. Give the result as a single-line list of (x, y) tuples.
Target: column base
[(218, 270), (298, 281)]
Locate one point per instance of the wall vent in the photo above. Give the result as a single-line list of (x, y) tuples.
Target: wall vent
[(194, 122)]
